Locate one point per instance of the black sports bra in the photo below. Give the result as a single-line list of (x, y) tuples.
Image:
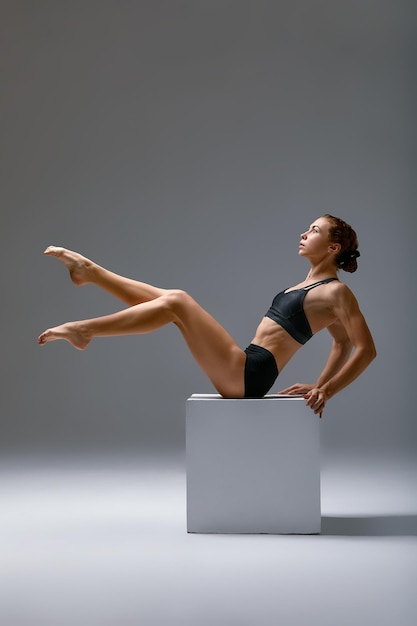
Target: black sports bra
[(287, 310)]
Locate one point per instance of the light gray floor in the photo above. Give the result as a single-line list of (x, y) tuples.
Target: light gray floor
[(104, 543)]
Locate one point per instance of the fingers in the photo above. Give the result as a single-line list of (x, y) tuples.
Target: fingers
[(297, 389), (316, 400), (287, 390), (315, 396)]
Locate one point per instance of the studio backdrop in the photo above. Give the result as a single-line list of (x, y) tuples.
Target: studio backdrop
[(188, 144)]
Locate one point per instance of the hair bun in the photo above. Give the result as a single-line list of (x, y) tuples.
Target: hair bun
[(348, 255), (347, 260), (342, 233)]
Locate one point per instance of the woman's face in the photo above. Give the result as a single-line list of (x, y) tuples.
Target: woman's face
[(315, 242)]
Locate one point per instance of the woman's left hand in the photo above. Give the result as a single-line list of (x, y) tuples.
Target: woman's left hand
[(316, 397), (316, 400)]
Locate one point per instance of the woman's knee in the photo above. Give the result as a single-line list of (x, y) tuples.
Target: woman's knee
[(177, 301)]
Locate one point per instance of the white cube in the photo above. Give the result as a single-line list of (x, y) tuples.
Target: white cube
[(253, 465)]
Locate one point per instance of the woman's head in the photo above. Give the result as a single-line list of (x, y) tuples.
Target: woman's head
[(342, 233)]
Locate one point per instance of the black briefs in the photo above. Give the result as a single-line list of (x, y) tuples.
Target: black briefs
[(260, 371)]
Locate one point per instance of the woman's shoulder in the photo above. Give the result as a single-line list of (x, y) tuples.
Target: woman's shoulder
[(341, 294)]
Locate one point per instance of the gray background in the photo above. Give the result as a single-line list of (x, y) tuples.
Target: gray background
[(188, 143)]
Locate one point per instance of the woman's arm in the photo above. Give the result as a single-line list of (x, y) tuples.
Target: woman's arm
[(347, 311), (339, 353), (349, 330)]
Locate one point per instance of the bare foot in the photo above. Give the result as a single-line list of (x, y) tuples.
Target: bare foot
[(79, 266), (70, 331)]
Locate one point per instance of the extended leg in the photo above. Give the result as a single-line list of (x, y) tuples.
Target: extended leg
[(83, 270), (213, 348)]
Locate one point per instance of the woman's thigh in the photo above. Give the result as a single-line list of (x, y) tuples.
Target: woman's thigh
[(213, 348)]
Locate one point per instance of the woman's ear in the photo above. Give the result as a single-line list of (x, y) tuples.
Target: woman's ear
[(335, 248)]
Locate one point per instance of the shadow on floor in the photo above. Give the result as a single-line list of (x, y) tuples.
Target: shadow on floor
[(370, 526)]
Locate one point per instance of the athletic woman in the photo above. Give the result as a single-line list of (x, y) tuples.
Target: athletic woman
[(319, 301)]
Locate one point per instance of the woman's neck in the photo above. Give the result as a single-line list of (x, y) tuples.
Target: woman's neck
[(319, 272)]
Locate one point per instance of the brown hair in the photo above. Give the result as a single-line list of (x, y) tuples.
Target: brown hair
[(343, 233)]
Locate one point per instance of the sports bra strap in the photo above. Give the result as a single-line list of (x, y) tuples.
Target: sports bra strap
[(320, 282)]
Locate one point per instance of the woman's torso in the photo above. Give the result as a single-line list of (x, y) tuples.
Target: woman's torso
[(313, 310)]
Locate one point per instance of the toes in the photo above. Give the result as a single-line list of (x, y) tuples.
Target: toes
[(53, 251), (44, 337)]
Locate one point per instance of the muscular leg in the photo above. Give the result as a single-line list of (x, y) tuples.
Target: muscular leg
[(83, 270), (213, 348)]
